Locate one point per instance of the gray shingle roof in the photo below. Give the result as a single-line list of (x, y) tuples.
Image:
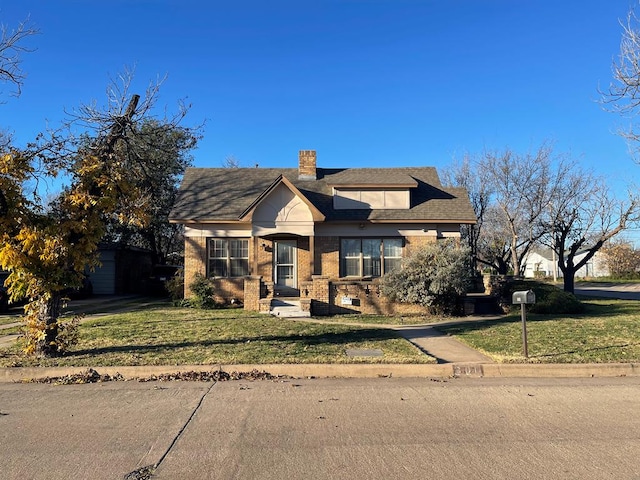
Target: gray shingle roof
[(223, 194), (373, 176)]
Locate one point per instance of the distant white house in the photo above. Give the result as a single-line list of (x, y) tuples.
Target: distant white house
[(541, 263)]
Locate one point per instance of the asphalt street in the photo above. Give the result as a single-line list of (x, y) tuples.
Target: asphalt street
[(468, 428), (624, 291)]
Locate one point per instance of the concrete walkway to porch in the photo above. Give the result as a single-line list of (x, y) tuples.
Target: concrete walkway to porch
[(444, 348)]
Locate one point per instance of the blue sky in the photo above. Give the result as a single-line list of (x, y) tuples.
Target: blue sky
[(365, 83)]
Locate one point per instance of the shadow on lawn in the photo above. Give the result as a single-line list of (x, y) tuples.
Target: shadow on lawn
[(373, 334), (584, 350), (454, 328), (600, 310)]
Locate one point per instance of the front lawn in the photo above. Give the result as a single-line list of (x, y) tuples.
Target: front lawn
[(380, 319), (182, 336), (609, 331)]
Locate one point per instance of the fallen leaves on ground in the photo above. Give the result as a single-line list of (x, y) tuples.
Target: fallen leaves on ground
[(92, 376)]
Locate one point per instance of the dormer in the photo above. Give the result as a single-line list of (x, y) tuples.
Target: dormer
[(375, 193)]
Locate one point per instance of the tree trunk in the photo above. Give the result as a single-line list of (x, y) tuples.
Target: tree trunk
[(49, 313), (569, 279)]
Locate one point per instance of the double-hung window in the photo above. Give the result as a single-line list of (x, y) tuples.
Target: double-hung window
[(228, 257), (369, 257)]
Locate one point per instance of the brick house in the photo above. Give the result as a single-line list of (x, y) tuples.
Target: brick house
[(322, 237)]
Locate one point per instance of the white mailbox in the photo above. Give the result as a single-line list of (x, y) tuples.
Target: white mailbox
[(522, 297)]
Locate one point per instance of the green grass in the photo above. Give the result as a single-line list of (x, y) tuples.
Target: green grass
[(7, 319), (181, 336), (11, 331), (609, 331)]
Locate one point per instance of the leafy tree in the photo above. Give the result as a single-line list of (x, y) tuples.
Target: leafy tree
[(47, 250), (161, 155), (435, 276)]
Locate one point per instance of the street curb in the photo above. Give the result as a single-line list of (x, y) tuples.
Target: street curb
[(446, 370)]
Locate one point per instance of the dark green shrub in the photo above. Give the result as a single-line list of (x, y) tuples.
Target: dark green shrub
[(202, 291), (549, 298), (558, 301), (175, 287)]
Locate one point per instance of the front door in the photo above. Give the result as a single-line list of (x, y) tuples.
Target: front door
[(284, 269)]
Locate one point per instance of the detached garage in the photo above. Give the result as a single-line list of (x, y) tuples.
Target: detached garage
[(122, 271)]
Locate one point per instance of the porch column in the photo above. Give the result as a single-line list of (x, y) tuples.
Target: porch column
[(254, 264), (312, 255)]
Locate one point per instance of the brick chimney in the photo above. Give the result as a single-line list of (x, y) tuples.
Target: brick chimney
[(307, 165)]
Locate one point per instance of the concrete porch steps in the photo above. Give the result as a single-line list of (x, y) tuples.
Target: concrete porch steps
[(287, 307)]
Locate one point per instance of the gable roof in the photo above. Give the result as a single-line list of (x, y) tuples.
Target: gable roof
[(247, 214), (226, 194)]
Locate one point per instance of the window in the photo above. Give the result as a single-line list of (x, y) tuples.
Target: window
[(228, 257), (347, 199), (369, 257)]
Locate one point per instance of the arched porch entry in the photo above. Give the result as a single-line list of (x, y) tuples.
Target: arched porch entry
[(285, 259), (283, 225)]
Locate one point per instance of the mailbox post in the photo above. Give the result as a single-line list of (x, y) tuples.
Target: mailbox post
[(522, 298)]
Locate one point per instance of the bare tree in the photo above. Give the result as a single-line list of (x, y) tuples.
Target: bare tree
[(11, 49), (584, 215), (493, 244), (230, 161), (465, 174), (623, 94), (522, 186)]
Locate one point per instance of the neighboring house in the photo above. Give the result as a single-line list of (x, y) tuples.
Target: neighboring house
[(324, 236), (540, 263)]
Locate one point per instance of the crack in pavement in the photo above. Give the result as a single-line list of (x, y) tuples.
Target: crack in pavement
[(146, 472)]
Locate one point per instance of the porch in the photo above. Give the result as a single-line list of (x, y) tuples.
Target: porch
[(322, 296)]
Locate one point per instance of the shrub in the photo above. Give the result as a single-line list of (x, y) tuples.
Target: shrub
[(436, 276), (175, 287), (549, 299), (202, 290)]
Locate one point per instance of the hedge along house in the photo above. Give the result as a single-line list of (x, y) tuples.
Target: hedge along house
[(311, 239)]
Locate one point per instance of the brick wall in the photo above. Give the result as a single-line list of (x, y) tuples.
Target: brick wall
[(327, 256), (412, 243), (265, 258), (320, 303), (365, 297), (195, 261), (195, 255), (227, 290), (252, 293), (304, 260)]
